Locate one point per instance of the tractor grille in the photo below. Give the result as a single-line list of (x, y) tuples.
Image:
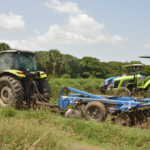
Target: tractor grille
[(116, 83)]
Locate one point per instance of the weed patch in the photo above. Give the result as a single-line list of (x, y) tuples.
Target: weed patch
[(87, 85), (8, 112)]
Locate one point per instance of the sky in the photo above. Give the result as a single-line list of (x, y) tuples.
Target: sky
[(110, 30)]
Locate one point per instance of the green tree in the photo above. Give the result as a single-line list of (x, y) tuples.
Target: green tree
[(91, 66), (4, 46), (52, 62), (70, 65), (146, 70), (40, 60)]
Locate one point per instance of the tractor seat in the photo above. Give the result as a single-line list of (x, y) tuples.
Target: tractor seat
[(140, 79)]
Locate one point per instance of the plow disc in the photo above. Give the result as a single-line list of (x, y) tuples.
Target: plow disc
[(137, 118)]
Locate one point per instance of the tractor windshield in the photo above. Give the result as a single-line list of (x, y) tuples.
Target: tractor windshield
[(24, 61)]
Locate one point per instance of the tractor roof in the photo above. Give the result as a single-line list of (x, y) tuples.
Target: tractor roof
[(144, 56), (15, 51), (133, 65)]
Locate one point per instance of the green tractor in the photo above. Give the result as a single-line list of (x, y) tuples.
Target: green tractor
[(19, 79), (132, 84)]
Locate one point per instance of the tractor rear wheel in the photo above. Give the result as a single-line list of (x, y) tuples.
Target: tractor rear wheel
[(122, 91), (11, 92), (44, 88), (95, 111)]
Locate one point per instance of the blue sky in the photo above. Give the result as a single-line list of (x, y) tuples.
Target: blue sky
[(110, 30)]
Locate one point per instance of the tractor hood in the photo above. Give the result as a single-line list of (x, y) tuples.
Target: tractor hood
[(112, 78), (125, 78)]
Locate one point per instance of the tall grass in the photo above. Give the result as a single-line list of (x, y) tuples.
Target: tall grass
[(40, 129), (87, 85)]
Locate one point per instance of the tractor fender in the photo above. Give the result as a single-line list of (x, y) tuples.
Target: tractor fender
[(147, 84), (19, 74), (146, 79), (129, 84), (16, 73)]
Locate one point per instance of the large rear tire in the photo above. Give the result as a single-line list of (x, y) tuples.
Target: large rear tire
[(95, 111), (44, 88), (11, 92), (122, 91)]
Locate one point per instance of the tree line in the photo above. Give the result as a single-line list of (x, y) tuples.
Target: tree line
[(56, 64)]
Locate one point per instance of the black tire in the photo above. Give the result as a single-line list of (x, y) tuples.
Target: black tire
[(11, 92), (122, 91), (44, 88), (95, 111)]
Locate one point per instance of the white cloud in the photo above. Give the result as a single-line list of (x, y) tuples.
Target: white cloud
[(11, 22), (147, 44), (36, 31), (80, 30), (59, 35), (22, 44), (116, 39), (85, 25), (67, 7)]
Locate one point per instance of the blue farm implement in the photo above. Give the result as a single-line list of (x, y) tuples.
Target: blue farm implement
[(127, 111)]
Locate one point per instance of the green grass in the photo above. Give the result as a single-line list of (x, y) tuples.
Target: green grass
[(87, 85), (40, 129)]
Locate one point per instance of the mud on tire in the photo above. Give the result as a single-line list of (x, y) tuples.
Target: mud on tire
[(95, 111), (11, 92), (122, 91)]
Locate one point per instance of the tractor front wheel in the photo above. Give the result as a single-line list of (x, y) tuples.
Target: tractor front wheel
[(11, 92)]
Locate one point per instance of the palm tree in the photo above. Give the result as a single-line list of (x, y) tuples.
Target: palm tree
[(52, 62), (56, 60)]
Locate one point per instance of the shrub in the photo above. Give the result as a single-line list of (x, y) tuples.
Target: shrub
[(8, 112), (66, 76)]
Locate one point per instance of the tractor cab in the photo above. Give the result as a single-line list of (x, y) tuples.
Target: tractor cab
[(129, 84), (19, 60), (136, 69), (24, 61)]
